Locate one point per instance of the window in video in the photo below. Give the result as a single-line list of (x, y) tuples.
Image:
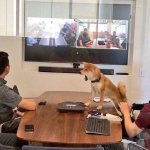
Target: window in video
[(51, 32)]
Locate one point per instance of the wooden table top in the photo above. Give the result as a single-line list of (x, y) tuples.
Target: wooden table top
[(53, 127)]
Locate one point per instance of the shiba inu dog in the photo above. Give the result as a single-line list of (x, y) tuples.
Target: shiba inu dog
[(102, 85)]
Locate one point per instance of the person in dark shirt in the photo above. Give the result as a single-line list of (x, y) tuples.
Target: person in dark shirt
[(84, 39), (9, 100), (142, 122)]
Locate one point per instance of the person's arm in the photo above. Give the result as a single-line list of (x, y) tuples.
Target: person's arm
[(14, 100), (80, 43), (28, 104), (131, 128), (80, 40)]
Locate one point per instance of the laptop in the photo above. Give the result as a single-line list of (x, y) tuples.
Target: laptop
[(96, 125)]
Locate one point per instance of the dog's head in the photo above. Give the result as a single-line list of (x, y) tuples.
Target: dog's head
[(90, 71)]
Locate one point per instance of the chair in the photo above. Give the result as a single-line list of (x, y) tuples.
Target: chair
[(144, 138), (133, 146), (145, 134), (27, 147), (15, 89), (140, 142)]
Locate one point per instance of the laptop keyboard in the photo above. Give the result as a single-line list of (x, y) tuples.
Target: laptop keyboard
[(98, 126)]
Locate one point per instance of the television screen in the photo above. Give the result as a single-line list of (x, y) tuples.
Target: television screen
[(102, 41)]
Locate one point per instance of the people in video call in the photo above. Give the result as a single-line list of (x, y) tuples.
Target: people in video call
[(117, 44), (135, 126), (10, 101), (113, 37), (84, 39), (115, 40), (68, 32), (106, 40), (31, 40)]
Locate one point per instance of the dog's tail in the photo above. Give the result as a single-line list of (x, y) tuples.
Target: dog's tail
[(122, 89)]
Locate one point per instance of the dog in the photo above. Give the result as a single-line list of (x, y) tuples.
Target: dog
[(102, 85)]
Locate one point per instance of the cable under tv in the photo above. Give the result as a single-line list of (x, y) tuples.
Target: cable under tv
[(69, 106)]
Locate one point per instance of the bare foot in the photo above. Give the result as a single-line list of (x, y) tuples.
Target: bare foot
[(99, 107), (88, 103)]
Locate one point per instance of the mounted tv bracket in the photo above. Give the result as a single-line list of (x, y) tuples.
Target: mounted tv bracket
[(76, 65)]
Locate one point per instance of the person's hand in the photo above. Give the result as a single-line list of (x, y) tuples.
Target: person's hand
[(20, 113), (125, 108), (15, 109)]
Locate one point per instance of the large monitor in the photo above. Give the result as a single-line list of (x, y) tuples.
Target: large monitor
[(59, 40)]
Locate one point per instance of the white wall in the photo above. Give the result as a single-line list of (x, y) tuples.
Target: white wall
[(146, 54), (32, 83), (141, 50), (7, 17), (29, 80), (3, 18)]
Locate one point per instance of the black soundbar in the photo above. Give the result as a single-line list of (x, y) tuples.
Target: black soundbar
[(70, 70), (59, 69)]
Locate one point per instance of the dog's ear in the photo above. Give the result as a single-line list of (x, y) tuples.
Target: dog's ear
[(96, 70), (101, 74), (100, 70), (84, 63)]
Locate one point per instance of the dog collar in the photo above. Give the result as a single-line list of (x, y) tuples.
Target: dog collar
[(97, 80)]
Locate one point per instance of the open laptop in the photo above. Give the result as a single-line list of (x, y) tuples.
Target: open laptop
[(96, 125)]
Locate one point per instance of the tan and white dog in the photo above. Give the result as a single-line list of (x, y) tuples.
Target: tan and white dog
[(102, 85)]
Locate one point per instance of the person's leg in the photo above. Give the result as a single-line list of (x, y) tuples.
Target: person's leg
[(10, 139)]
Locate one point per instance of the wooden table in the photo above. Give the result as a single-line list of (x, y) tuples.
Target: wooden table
[(53, 127)]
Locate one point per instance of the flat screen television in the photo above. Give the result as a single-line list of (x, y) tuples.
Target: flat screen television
[(57, 40)]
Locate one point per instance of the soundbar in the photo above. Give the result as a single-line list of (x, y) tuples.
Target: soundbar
[(70, 70)]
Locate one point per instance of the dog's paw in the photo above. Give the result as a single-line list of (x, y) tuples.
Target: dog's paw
[(87, 104), (99, 107)]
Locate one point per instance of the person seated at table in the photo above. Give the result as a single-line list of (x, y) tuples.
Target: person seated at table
[(115, 41), (117, 44), (84, 39), (113, 37), (135, 127), (9, 99)]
